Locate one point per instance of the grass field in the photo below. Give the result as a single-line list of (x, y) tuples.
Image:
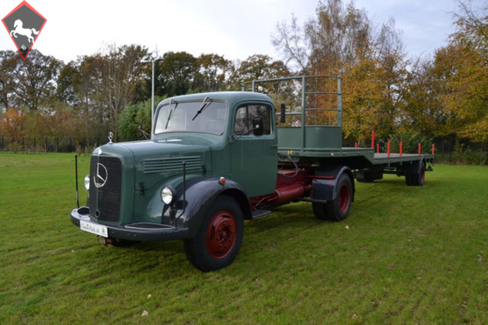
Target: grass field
[(404, 255)]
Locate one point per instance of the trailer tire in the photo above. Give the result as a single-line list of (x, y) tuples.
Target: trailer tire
[(338, 209), (416, 179), (218, 241)]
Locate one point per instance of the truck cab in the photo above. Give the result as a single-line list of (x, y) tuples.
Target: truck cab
[(204, 149)]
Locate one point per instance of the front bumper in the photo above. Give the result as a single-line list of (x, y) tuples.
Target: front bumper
[(136, 231)]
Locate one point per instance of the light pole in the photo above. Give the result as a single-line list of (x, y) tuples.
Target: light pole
[(153, 63)]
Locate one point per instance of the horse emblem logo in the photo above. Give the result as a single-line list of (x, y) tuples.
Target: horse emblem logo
[(19, 29), (24, 24)]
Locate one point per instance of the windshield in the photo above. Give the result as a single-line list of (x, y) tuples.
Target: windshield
[(184, 117)]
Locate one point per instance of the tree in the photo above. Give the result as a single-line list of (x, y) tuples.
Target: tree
[(121, 75), (143, 88), (259, 67), (13, 124), (290, 40), (132, 117), (213, 72), (89, 86), (469, 96), (68, 83), (424, 110), (337, 35), (460, 71), (178, 72), (35, 80), (341, 40), (9, 61)]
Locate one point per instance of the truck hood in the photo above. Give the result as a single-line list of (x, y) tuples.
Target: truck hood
[(164, 148), (156, 161)]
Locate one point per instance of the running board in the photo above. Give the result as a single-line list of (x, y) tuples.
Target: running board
[(259, 214)]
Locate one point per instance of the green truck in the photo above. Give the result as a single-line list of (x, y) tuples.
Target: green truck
[(214, 160)]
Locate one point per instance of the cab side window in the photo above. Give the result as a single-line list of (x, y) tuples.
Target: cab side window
[(245, 115)]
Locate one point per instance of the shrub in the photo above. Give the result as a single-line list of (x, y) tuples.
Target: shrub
[(410, 141)]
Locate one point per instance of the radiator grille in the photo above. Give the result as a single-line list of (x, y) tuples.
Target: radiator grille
[(165, 165), (104, 201)]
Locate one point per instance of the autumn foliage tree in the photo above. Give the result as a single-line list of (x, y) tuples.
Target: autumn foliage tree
[(14, 124), (341, 40), (466, 58)]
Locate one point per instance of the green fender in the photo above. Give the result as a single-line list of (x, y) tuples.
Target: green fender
[(200, 192)]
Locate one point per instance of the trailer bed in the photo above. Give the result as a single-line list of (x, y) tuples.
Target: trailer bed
[(356, 158), (394, 158)]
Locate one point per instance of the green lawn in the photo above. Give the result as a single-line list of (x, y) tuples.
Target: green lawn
[(404, 255)]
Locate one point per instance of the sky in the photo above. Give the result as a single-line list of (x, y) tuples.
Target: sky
[(234, 29)]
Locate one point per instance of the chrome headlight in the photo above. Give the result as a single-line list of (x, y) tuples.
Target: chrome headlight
[(168, 195), (86, 182)]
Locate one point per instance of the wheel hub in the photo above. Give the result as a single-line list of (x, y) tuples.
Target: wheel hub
[(344, 198), (221, 234)]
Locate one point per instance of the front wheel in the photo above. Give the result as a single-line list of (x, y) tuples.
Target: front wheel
[(219, 238)]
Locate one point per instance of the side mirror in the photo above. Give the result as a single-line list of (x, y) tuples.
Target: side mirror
[(283, 113), (257, 126)]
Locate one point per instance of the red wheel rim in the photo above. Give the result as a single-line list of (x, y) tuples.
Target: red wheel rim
[(344, 198), (221, 234)]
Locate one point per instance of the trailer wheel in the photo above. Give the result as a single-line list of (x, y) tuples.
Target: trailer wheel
[(416, 179), (338, 209), (219, 238)]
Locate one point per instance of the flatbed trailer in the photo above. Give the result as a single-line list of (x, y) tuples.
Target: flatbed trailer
[(322, 144)]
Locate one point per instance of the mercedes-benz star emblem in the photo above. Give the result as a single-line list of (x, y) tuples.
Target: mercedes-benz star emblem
[(101, 177)]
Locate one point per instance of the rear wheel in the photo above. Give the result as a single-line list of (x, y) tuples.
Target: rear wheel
[(219, 238), (338, 209)]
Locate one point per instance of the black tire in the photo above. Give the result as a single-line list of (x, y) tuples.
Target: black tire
[(218, 241), (418, 178), (338, 209)]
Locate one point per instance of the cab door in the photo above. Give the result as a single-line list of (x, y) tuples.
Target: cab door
[(254, 158)]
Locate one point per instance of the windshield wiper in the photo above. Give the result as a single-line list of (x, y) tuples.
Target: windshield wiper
[(171, 112), (202, 107)]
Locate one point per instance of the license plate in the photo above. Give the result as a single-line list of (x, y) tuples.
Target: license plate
[(94, 228)]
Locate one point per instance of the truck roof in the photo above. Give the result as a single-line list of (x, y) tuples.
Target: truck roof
[(231, 97)]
